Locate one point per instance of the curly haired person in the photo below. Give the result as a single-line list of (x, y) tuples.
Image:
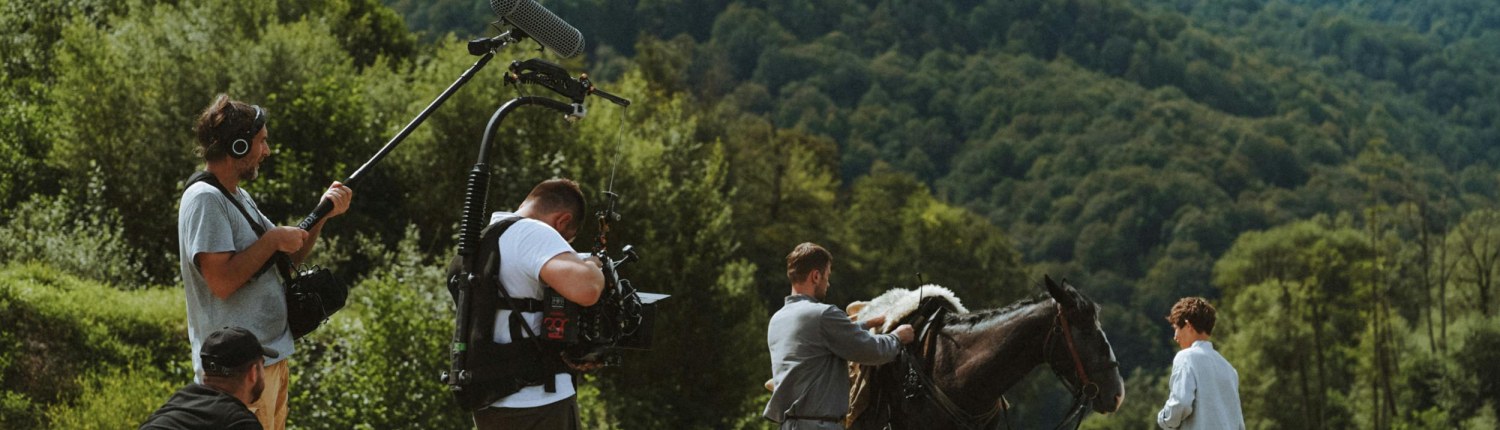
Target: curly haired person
[(1205, 387)]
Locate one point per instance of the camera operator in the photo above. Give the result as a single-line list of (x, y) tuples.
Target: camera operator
[(535, 255), (225, 266)]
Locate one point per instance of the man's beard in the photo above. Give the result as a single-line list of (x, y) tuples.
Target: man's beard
[(260, 385), (249, 170)]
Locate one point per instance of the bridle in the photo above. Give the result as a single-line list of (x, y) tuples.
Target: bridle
[(1087, 390)]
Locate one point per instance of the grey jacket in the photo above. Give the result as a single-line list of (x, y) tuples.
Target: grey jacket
[(811, 346)]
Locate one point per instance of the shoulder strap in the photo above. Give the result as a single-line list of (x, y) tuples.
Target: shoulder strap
[(490, 248), (489, 270), (283, 262)]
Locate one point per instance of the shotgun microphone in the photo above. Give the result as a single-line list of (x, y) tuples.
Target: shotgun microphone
[(540, 24)]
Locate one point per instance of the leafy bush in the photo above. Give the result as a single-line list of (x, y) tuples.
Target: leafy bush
[(114, 398), (82, 237), (376, 365), (65, 339)]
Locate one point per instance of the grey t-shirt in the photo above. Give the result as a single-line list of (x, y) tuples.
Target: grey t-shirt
[(206, 223)]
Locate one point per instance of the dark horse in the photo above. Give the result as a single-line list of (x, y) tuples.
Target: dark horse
[(971, 359)]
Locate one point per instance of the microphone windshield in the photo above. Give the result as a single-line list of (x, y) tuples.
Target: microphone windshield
[(540, 24)]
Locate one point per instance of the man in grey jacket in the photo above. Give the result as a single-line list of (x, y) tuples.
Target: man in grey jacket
[(811, 346)]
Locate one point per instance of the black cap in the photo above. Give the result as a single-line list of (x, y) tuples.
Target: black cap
[(230, 348)]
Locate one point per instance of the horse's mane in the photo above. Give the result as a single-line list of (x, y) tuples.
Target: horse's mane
[(976, 317)]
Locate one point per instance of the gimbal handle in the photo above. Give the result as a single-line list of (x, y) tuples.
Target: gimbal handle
[(553, 77)]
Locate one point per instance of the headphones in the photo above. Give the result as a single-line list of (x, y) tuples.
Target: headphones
[(241, 145)]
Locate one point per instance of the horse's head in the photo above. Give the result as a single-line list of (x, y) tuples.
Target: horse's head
[(1078, 351)]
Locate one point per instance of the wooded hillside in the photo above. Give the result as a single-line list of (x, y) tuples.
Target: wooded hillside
[(1322, 170)]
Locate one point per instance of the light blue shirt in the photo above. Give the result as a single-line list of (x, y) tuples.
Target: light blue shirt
[(207, 222), (1205, 392)]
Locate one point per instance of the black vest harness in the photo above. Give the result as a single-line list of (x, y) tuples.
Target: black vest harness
[(500, 370)]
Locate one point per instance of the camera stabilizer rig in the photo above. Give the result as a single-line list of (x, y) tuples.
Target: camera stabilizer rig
[(594, 333), (620, 318)]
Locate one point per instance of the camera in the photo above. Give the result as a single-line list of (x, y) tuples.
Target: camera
[(623, 318)]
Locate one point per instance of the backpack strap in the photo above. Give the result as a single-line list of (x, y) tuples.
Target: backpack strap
[(282, 261), (490, 248), (523, 305)]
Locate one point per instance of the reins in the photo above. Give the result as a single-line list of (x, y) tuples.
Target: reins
[(918, 377), (1087, 390)]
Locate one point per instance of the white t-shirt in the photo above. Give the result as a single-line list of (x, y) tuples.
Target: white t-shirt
[(524, 248)]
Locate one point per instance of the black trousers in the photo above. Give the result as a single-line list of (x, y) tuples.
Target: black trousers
[(562, 415)]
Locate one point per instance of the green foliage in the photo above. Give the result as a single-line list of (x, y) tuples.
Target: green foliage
[(1146, 149), (66, 341), (593, 411), (1481, 347), (115, 398), (434, 19), (32, 27), (895, 229), (367, 30), (1295, 307), (17, 411), (1475, 244), (128, 90), (744, 34), (23, 144), (376, 365), (84, 238)]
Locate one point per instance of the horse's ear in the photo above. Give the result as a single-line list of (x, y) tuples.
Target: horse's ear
[(1062, 293)]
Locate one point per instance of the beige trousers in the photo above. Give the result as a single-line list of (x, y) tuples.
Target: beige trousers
[(271, 408)]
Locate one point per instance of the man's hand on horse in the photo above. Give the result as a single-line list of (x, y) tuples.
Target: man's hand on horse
[(905, 333), (873, 322)]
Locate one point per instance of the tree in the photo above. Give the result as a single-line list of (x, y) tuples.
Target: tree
[(894, 229), (1476, 244), (1290, 312), (743, 34), (677, 210), (128, 92)]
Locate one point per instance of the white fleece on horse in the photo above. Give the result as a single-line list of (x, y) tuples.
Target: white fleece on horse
[(899, 302)]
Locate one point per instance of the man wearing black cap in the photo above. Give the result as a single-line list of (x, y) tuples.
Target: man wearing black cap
[(232, 379)]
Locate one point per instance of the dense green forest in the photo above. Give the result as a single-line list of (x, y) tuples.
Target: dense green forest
[(1323, 170)]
